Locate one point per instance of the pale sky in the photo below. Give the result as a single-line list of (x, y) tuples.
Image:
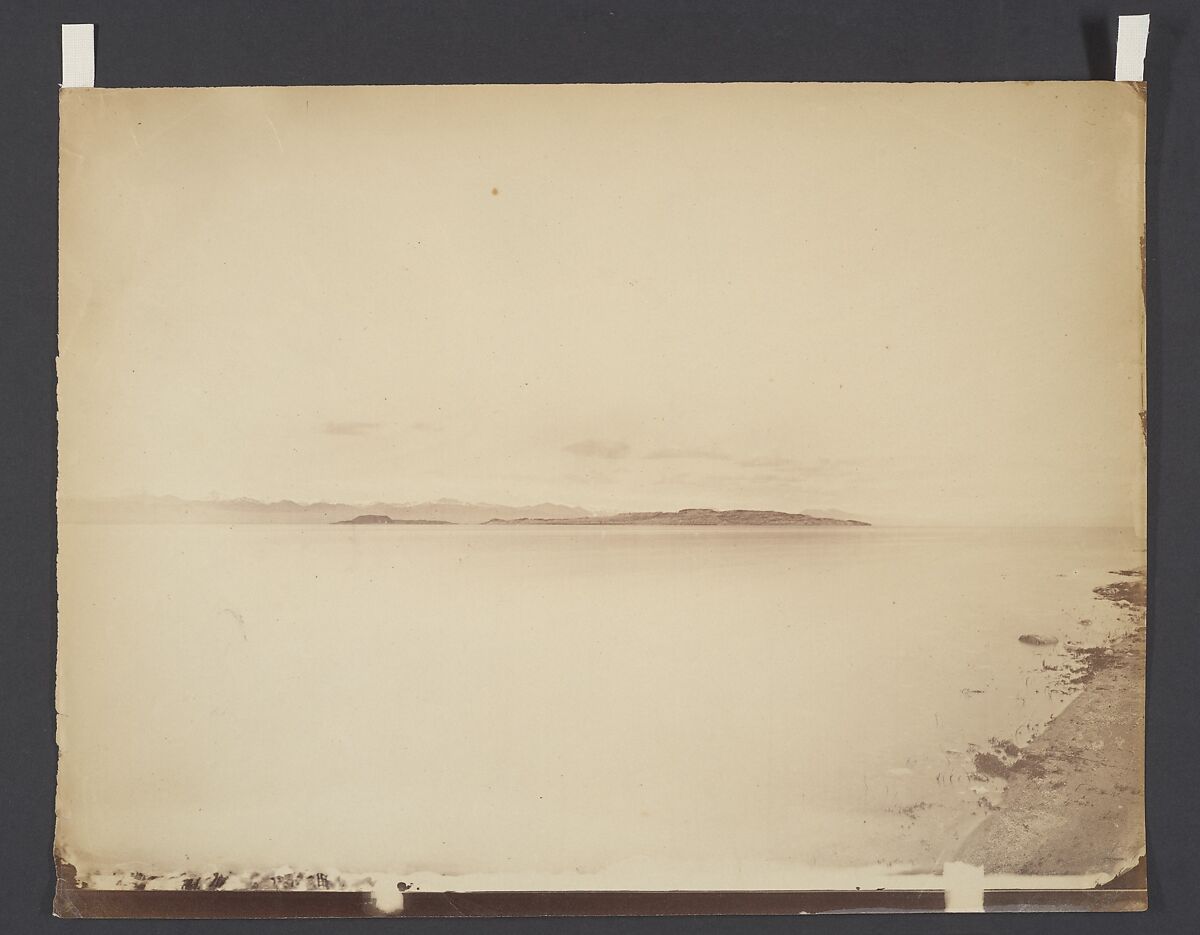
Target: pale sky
[(919, 302)]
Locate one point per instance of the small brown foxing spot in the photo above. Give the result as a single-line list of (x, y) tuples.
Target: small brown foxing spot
[(495, 191)]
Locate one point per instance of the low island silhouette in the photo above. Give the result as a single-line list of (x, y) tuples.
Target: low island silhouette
[(689, 517)]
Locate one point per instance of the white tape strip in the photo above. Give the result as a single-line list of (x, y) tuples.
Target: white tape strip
[(963, 884), (79, 55), (1132, 33)]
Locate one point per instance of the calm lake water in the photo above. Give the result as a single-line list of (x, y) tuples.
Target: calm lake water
[(554, 698)]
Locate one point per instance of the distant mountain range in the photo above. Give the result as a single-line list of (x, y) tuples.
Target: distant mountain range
[(693, 517), (374, 519), (242, 510)]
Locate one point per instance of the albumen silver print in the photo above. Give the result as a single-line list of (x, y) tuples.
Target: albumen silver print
[(602, 489)]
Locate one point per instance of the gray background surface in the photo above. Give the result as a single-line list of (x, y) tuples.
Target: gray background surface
[(160, 43)]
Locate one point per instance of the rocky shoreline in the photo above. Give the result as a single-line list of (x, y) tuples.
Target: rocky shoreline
[(1074, 802)]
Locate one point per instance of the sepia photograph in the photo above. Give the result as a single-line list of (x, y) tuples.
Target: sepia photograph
[(609, 489)]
